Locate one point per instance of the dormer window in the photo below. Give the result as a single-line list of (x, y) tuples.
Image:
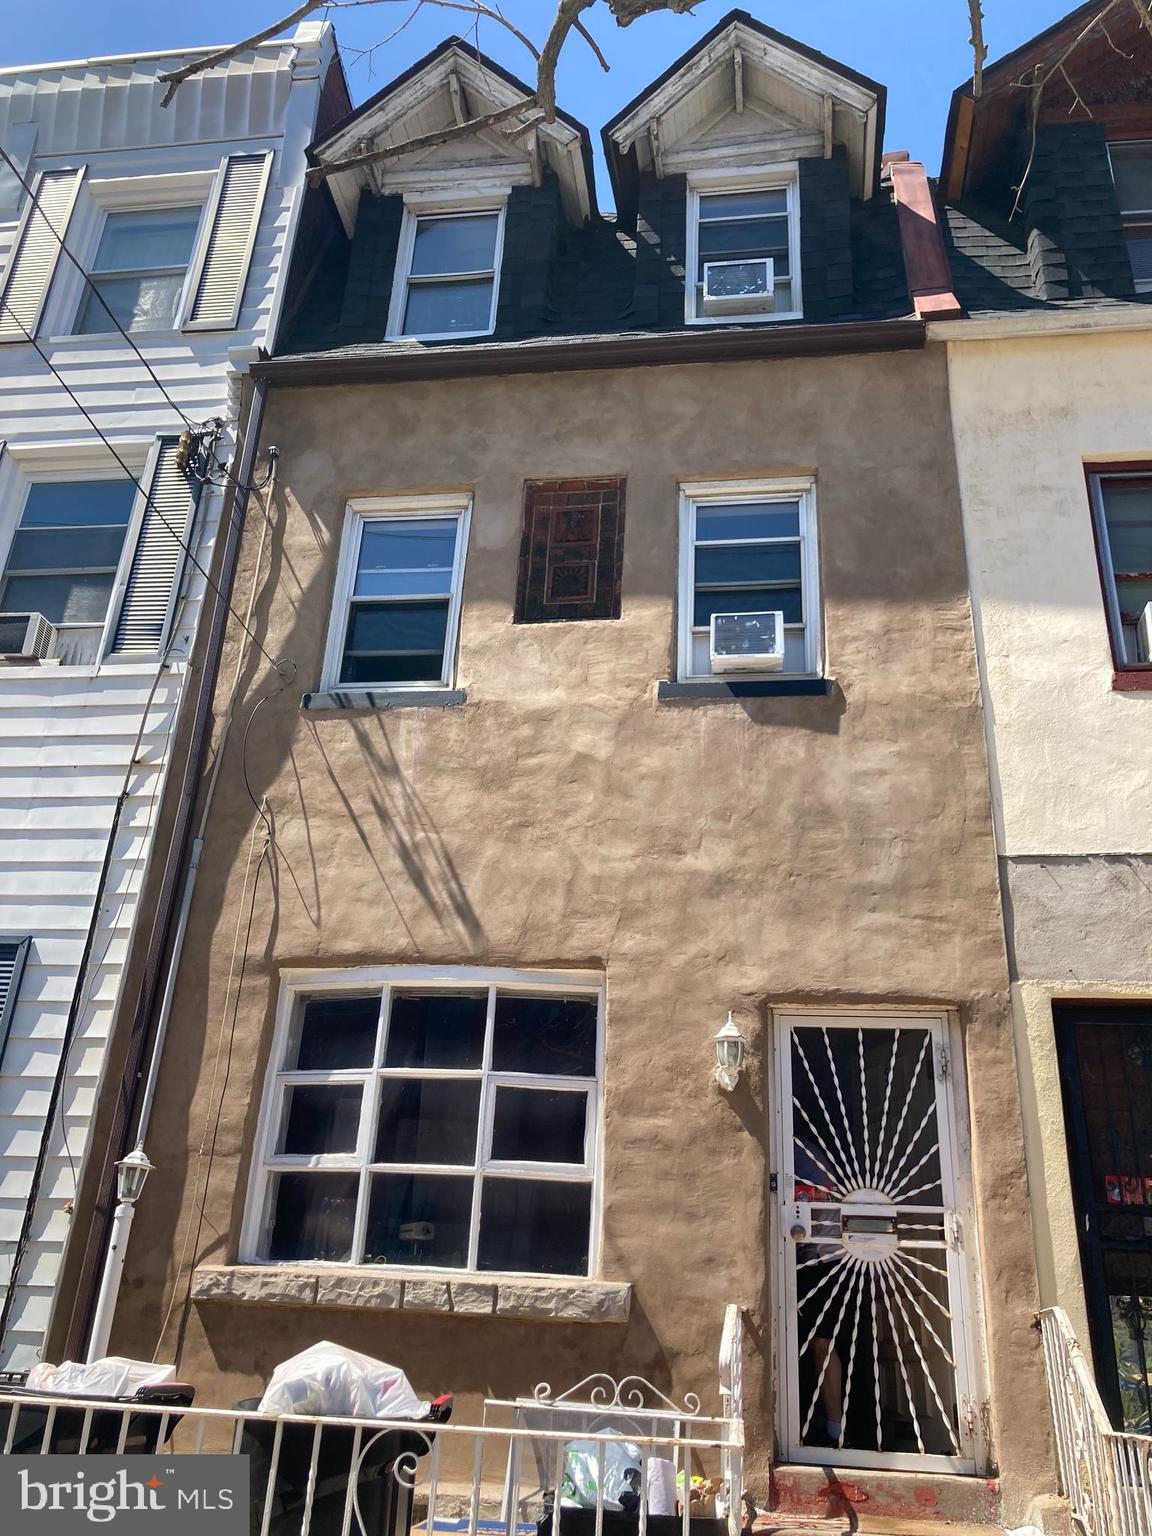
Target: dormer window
[(1132, 171), (447, 274), (743, 250)]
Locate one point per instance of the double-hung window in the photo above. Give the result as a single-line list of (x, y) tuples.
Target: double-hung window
[(67, 549), (445, 1119), (749, 548), (447, 274), (1132, 172), (139, 270), (742, 226), (397, 608), (1122, 508)]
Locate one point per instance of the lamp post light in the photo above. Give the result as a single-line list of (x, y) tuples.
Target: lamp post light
[(131, 1172), (731, 1047)]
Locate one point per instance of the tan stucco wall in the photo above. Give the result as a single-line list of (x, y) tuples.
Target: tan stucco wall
[(704, 856)]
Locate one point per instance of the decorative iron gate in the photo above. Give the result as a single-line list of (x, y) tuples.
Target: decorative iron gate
[(875, 1339)]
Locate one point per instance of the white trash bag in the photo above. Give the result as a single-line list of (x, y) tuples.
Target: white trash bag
[(329, 1379), (111, 1377), (586, 1462)]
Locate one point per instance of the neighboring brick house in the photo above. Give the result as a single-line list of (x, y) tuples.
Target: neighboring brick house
[(540, 812)]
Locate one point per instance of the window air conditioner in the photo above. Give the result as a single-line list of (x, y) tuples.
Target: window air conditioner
[(747, 642), (740, 287), (25, 637), (1144, 632)]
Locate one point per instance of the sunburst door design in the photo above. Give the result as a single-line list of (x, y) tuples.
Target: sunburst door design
[(876, 1341)]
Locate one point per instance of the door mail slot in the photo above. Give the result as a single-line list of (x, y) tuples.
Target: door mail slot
[(872, 1224)]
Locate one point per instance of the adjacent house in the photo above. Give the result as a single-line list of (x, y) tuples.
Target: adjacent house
[(625, 685), (143, 265), (1050, 378)]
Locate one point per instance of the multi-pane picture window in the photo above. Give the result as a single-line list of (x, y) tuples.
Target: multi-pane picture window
[(398, 593), (749, 549), (1132, 171), (1122, 504), (139, 270), (450, 1125), (745, 225), (67, 549), (447, 274)]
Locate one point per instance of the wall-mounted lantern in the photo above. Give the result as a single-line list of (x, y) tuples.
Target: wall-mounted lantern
[(731, 1047)]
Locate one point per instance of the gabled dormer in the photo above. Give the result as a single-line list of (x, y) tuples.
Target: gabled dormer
[(453, 235), (737, 169)]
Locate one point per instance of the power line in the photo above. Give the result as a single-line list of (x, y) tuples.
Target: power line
[(184, 545)]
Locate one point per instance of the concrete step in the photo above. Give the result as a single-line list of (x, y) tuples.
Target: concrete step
[(862, 1501), (784, 1525)]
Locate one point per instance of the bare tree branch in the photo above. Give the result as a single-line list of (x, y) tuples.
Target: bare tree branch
[(318, 173), (177, 77), (594, 45), (567, 14), (473, 7), (979, 47)]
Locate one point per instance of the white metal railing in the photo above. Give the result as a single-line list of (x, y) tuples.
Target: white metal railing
[(1105, 1475), (330, 1476)]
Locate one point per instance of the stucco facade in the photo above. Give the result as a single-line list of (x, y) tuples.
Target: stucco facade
[(700, 854)]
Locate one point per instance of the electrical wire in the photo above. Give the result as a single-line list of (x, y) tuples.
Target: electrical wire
[(181, 541)]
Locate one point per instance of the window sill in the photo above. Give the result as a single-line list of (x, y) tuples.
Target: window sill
[(342, 701), (1137, 680), (751, 688), (383, 1288)]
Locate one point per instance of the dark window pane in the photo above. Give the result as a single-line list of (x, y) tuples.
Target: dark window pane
[(77, 503), (155, 237), (462, 244), (61, 599), (406, 556), (66, 549), (419, 1218), (766, 238), (1132, 168), (753, 562), (552, 1035), (439, 308), (539, 1125), (1128, 510), (334, 1033), (428, 668), (428, 1120), (320, 1118), (535, 1226), (743, 205), (785, 600), (436, 1030), (383, 627), (752, 520), (1140, 251), (313, 1215)]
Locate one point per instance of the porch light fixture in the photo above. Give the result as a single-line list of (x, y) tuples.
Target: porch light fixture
[(131, 1171), (731, 1047)]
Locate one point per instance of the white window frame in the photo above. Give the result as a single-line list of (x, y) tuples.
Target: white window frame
[(297, 984), (1097, 477), (366, 509), (716, 493), (415, 209), (1136, 215), (769, 179)]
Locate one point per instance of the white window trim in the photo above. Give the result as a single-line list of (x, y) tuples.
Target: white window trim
[(1143, 215), (295, 983), (416, 208), (712, 492), (1112, 608), (766, 179), (356, 514)]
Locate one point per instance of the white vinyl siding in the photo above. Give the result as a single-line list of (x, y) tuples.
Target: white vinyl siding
[(234, 217), (35, 252), (145, 611)]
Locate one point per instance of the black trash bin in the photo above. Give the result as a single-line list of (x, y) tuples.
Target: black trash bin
[(385, 1501), (142, 1437)]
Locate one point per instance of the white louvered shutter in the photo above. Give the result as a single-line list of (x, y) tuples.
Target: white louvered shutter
[(145, 615), (13, 953), (35, 252), (228, 252)]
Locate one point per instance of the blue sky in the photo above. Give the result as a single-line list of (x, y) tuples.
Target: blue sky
[(918, 48)]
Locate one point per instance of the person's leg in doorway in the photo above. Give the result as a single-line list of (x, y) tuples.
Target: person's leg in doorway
[(830, 1370)]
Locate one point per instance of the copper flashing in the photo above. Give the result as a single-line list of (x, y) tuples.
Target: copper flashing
[(925, 260)]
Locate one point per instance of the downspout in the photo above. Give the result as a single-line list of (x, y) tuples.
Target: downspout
[(170, 924)]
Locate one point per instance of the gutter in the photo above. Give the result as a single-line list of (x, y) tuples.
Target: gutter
[(1135, 318), (168, 900), (642, 349)]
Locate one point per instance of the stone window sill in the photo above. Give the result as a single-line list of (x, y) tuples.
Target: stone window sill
[(1137, 680), (759, 688), (379, 1289), (365, 699)]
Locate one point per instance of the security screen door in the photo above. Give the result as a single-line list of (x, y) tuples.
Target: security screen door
[(874, 1338)]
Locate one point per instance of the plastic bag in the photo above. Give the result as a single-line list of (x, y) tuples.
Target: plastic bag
[(328, 1379), (584, 1468), (113, 1376)]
